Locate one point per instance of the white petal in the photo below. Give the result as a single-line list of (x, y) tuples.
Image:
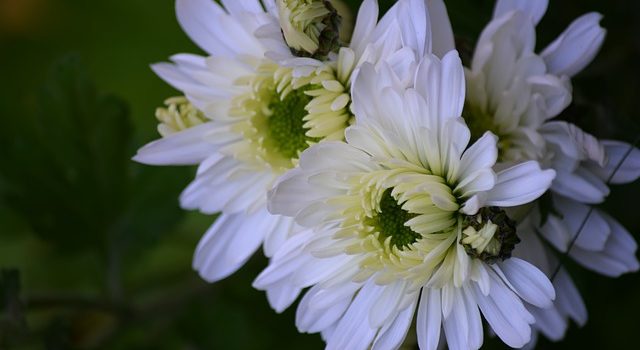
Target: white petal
[(556, 232), (574, 142), (533, 8), (428, 323), (283, 228), (187, 147), (618, 255), (473, 204), (386, 306), (531, 345), (483, 154), (480, 275), (178, 79), (285, 197), (580, 185), (352, 331), (228, 244), (316, 270), (236, 187), (520, 184), (282, 295), (476, 335), (480, 181), (554, 91), (568, 299), (454, 139), (625, 171), (576, 47), (327, 333), (403, 63), (285, 262), (325, 297), (550, 322), (530, 283), (414, 24), (505, 313), (365, 23), (593, 234), (456, 325), (364, 92), (195, 17), (441, 29), (442, 85), (335, 156), (313, 319), (392, 336), (237, 7)]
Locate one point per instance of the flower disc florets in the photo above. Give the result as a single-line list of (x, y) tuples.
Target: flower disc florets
[(179, 115), (281, 115), (390, 222)]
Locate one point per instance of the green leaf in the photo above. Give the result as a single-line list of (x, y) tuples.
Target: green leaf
[(67, 168), (68, 162)]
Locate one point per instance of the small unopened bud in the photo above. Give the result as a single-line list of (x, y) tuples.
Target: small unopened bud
[(311, 28), (179, 114), (489, 235)]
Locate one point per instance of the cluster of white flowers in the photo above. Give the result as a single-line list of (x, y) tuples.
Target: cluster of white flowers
[(396, 185)]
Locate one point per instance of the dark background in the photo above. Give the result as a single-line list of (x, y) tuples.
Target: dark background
[(94, 249)]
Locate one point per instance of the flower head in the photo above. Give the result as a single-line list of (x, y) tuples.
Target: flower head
[(515, 93), (403, 208), (247, 116), (510, 90)]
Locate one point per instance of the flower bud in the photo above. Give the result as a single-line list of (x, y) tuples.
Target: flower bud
[(310, 27), (489, 235), (178, 115)]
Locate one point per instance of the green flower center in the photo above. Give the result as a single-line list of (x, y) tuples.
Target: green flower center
[(390, 222), (279, 115), (286, 131), (480, 122)]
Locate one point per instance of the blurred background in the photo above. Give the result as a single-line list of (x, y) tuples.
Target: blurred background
[(94, 250)]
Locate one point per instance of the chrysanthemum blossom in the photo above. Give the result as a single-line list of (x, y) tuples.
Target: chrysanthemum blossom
[(509, 90), (406, 217), (245, 117), (585, 167), (515, 93), (400, 38)]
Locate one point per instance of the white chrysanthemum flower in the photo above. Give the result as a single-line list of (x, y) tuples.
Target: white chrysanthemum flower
[(406, 216), (584, 168), (564, 218), (510, 89), (401, 37), (246, 117), (514, 92)]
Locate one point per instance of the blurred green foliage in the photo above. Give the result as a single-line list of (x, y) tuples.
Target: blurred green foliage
[(94, 248)]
